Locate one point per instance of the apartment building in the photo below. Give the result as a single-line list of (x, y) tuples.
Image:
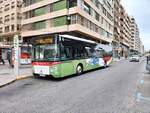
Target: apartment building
[(124, 33), (141, 50), (135, 38), (10, 20), (116, 32), (90, 19)]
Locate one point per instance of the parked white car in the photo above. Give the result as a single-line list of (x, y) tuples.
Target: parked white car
[(135, 58)]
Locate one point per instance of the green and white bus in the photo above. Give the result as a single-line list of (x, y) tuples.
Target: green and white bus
[(63, 55)]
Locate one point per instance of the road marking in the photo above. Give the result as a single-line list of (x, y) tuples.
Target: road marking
[(141, 81), (140, 97)]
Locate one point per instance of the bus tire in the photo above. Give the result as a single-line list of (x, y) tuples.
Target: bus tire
[(79, 69)]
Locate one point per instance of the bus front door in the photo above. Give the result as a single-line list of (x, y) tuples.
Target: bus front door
[(67, 67)]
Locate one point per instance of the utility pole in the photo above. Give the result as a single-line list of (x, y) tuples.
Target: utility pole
[(16, 56)]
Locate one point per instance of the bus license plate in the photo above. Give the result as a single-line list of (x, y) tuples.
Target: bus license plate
[(42, 75)]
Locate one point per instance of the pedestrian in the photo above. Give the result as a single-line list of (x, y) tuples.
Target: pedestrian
[(2, 60), (9, 56), (119, 57)]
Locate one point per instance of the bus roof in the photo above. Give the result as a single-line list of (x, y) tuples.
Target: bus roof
[(77, 38)]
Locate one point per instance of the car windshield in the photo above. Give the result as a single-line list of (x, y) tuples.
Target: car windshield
[(46, 52)]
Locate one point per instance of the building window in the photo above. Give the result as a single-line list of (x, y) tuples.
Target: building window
[(104, 11), (18, 27), (1, 1), (7, 29), (87, 8), (39, 11), (109, 16), (1, 30), (12, 5), (58, 5), (72, 3), (19, 4), (59, 21), (102, 20), (12, 28), (7, 18), (12, 16), (39, 25), (19, 16), (7, 7), (35, 1), (97, 3), (30, 2), (1, 9), (1, 20), (74, 19), (96, 16)]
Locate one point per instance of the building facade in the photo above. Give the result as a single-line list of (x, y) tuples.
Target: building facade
[(116, 32), (141, 48), (122, 31), (10, 22), (135, 38), (91, 19), (125, 32)]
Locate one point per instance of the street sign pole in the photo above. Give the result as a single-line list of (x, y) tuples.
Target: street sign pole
[(16, 55)]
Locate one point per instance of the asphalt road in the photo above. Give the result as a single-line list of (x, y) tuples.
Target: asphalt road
[(112, 90)]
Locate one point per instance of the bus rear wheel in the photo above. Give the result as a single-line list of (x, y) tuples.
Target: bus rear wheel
[(79, 70)]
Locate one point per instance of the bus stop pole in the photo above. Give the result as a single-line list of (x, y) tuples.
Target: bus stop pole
[(16, 56)]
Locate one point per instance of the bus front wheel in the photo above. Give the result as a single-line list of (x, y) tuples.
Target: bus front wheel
[(79, 69)]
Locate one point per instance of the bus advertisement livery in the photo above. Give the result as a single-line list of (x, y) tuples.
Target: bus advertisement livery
[(63, 55)]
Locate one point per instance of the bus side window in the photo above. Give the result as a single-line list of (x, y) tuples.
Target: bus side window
[(92, 53), (66, 53), (69, 52)]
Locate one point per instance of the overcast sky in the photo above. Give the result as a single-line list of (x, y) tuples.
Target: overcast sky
[(140, 9)]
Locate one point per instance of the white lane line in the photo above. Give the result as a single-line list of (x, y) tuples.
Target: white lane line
[(141, 81), (140, 97)]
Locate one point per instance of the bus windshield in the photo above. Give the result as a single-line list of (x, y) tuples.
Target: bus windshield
[(47, 52)]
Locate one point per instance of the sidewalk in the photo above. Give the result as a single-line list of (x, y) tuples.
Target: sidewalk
[(7, 74)]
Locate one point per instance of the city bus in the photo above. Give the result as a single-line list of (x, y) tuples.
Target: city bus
[(63, 55)]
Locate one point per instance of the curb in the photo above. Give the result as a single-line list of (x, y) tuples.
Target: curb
[(8, 83), (23, 77), (18, 78)]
